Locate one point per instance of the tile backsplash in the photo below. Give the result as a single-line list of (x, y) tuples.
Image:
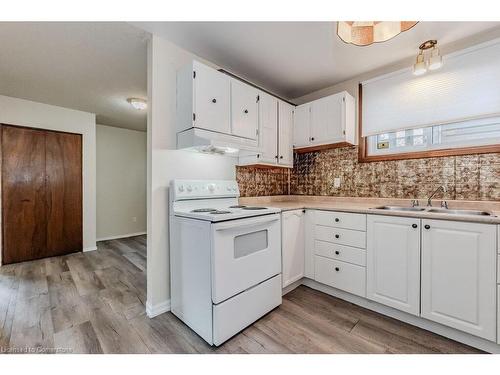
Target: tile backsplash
[(469, 177)]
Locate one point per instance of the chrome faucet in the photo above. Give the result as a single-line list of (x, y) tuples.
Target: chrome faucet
[(429, 200)]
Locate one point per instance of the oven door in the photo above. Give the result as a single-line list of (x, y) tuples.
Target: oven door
[(245, 252)]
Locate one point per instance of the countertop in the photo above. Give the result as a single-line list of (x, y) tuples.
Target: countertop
[(368, 206)]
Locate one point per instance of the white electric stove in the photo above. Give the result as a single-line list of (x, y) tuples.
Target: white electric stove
[(225, 259)]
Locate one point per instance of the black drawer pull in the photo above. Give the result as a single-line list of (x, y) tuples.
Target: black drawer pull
[(427, 226), (214, 100), (246, 111), (337, 219), (414, 226), (337, 269), (337, 252), (337, 236)]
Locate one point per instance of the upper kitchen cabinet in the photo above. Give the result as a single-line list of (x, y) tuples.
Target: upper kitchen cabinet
[(203, 99), (215, 113), (302, 126), (244, 110), (285, 134), (326, 121), (275, 134)]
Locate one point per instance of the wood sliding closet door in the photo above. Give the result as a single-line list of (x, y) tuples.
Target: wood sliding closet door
[(41, 193), (63, 168)]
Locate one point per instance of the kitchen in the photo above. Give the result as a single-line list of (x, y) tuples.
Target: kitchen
[(432, 190), (311, 187)]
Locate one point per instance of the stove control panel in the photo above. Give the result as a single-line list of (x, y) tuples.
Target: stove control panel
[(196, 189)]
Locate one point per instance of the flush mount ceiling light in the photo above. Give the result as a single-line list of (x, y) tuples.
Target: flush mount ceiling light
[(364, 33), (137, 103), (434, 60)]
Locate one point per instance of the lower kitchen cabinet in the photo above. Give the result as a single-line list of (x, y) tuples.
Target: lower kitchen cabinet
[(293, 244), (459, 276), (498, 316), (393, 262)]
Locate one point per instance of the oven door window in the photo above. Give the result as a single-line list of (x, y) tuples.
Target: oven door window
[(249, 243)]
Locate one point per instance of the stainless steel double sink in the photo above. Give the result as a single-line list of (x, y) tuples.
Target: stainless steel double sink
[(435, 210)]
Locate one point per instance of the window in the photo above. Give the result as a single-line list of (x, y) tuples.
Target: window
[(471, 133), (451, 111)]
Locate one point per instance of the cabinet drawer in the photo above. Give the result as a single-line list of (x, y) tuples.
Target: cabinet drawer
[(344, 220), (340, 275), (340, 236), (340, 252)]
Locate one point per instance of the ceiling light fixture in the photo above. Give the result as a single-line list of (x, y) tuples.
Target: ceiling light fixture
[(139, 104), (434, 61), (364, 33)]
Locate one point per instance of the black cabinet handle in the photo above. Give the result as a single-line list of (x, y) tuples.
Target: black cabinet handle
[(312, 138), (337, 269), (337, 219), (214, 100), (276, 156), (304, 211), (427, 226), (281, 157), (414, 225), (337, 252), (337, 236), (246, 111)]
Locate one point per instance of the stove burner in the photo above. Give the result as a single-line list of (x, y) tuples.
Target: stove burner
[(254, 208), (204, 210), (237, 206), (220, 212)]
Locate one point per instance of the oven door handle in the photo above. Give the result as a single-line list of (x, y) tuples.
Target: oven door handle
[(247, 223)]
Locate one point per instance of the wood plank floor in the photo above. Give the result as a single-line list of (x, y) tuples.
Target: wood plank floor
[(94, 303)]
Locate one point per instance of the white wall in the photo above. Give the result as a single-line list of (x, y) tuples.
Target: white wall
[(121, 182), (165, 163), (21, 112)]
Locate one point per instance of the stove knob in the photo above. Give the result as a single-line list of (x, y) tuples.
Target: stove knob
[(189, 188), (181, 188), (211, 187)]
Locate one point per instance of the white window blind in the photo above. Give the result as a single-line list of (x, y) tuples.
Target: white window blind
[(466, 87)]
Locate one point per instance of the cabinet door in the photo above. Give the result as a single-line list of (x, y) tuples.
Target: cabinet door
[(293, 244), (458, 276), (326, 119), (393, 262), (302, 125), (211, 99), (244, 110), (285, 120), (268, 113)]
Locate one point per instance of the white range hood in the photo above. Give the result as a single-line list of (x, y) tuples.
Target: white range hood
[(215, 143)]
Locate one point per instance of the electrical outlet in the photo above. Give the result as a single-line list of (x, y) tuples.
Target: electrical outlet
[(336, 182), (134, 219)]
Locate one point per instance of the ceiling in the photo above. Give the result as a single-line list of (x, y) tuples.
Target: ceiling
[(89, 66), (296, 58)]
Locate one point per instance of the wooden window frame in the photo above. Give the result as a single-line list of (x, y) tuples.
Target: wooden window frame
[(363, 156)]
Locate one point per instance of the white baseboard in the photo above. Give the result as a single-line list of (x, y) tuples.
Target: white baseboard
[(428, 325), (90, 248), (121, 236), (292, 286), (157, 309)]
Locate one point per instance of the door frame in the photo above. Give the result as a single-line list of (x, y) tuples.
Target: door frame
[(2, 125)]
